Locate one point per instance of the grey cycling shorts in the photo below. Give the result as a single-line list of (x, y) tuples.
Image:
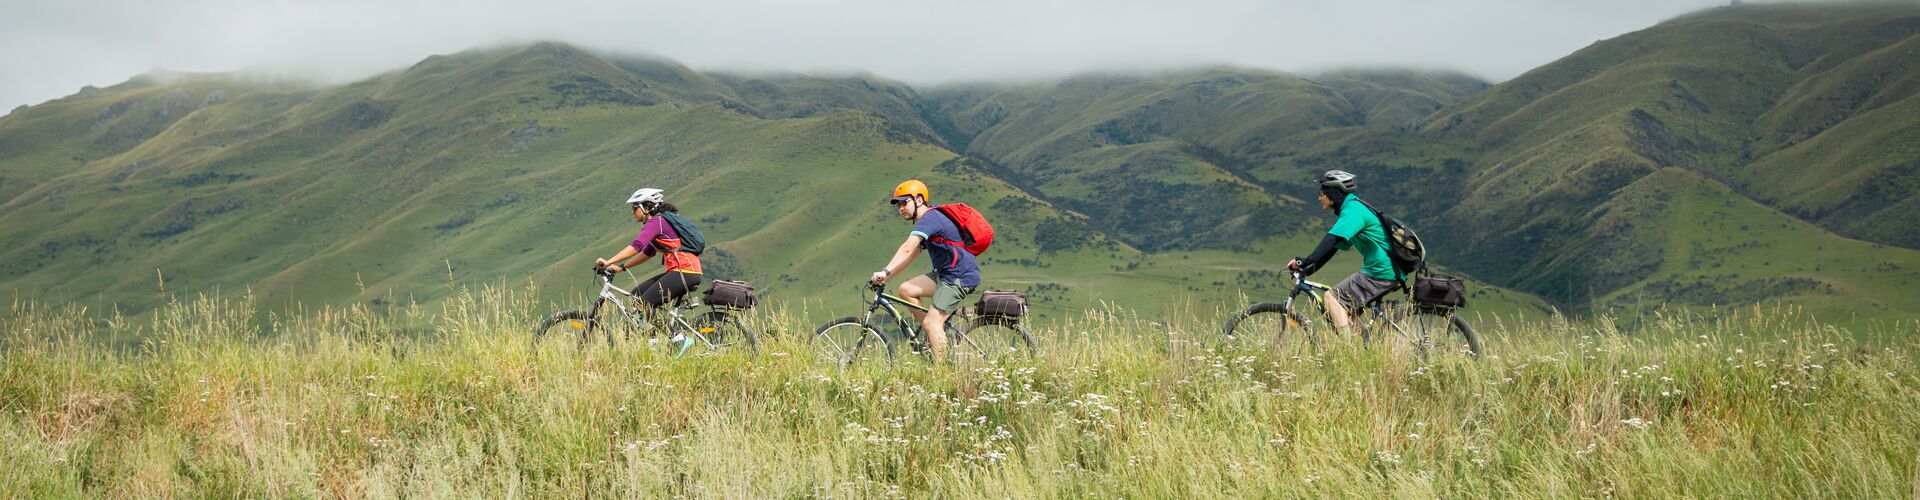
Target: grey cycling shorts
[(1357, 290)]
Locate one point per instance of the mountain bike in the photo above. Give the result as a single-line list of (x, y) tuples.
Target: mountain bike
[(1424, 328), (617, 313), (853, 339)]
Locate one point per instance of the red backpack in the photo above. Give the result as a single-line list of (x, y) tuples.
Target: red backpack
[(978, 235)]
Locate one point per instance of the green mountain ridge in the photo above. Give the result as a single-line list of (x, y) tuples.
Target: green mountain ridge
[(1740, 96), (1666, 166), (491, 165), (1201, 149)]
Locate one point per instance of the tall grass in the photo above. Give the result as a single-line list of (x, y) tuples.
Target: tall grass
[(222, 400)]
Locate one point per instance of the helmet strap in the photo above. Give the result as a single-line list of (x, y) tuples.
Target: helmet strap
[(920, 206), (1334, 195)]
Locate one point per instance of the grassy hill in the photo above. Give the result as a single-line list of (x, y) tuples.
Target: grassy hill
[(508, 165), (479, 164), (1742, 154), (1726, 250), (1798, 113), (1790, 110)]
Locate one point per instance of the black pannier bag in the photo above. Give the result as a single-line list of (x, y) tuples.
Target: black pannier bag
[(1439, 290), (1003, 303), (734, 294)]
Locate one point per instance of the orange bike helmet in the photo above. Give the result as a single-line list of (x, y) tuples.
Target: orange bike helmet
[(909, 189)]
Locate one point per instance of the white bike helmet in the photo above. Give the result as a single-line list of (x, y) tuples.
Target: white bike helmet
[(650, 196), (1339, 179)]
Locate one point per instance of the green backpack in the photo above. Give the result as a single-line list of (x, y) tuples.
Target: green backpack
[(691, 241)]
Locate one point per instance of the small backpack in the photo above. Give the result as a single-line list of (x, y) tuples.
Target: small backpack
[(1403, 245), (975, 233), (691, 241)]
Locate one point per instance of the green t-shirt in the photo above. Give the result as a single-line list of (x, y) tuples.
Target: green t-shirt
[(1365, 234)]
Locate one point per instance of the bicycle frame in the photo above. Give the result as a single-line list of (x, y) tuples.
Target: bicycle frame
[(609, 293), (882, 299), (1314, 290)]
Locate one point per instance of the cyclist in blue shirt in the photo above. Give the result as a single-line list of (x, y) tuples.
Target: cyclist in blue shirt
[(955, 272)]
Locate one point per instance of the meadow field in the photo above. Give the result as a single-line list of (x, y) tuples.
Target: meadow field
[(220, 398)]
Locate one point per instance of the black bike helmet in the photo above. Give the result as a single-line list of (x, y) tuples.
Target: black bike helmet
[(1339, 180)]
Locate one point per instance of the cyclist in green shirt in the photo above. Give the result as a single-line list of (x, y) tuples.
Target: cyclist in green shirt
[(1356, 228)]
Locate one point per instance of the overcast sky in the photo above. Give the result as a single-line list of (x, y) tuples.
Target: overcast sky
[(50, 48)]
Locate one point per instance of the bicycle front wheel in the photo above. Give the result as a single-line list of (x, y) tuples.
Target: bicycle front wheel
[(569, 327), (1271, 323), (847, 340), (997, 337), (721, 331)]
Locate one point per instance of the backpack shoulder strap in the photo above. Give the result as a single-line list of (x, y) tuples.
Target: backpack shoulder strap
[(1377, 214), (941, 209), (669, 218)]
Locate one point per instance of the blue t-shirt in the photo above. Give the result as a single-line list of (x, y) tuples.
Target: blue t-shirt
[(951, 263)]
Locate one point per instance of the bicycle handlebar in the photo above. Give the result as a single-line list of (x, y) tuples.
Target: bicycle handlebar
[(1300, 281)]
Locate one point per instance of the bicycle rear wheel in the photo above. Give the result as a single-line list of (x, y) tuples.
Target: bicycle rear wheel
[(961, 348), (996, 337), (1271, 323), (1431, 330), (720, 331), (847, 340)]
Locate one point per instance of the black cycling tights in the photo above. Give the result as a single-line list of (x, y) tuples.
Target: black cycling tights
[(665, 287)]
